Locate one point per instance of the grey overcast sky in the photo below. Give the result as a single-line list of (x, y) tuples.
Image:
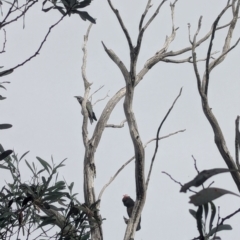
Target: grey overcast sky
[(47, 119)]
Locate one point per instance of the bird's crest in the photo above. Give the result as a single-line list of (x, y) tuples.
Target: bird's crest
[(125, 196)]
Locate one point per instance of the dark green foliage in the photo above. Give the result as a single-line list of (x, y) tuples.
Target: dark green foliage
[(205, 233), (30, 205), (70, 7), (5, 154)]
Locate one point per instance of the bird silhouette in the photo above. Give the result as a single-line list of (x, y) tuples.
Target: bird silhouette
[(129, 203), (91, 114)]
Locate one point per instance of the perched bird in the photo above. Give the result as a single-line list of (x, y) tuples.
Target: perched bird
[(91, 114), (129, 203)]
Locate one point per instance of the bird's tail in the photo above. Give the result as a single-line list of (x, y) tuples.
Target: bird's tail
[(93, 116), (138, 227)]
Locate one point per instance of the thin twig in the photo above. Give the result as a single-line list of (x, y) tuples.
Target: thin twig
[(158, 131), (101, 99), (122, 25), (41, 45), (144, 14), (90, 97), (176, 181), (116, 126), (189, 34), (229, 216), (237, 141), (132, 158), (154, 15), (189, 59), (209, 53), (5, 40), (195, 164), (84, 62), (172, 178), (3, 23)]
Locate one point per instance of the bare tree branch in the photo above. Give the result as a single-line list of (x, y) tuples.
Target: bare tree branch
[(41, 45), (172, 178), (195, 164), (237, 142), (189, 59), (219, 138), (116, 126), (101, 99), (144, 14), (89, 164), (90, 98), (209, 53), (122, 25), (130, 160), (5, 41), (117, 60), (229, 216), (226, 47), (4, 23), (158, 132), (154, 15), (176, 181)]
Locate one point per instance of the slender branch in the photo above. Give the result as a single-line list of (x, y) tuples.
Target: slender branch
[(176, 181), (87, 89), (19, 16), (84, 62), (226, 47), (172, 5), (189, 59), (189, 33), (154, 15), (117, 60), (101, 99), (122, 25), (130, 160), (95, 92), (199, 84), (144, 14), (218, 135), (195, 164), (158, 132), (41, 45), (222, 56), (209, 53), (116, 126), (89, 164), (237, 142), (8, 14), (5, 41), (229, 216), (172, 178), (196, 168)]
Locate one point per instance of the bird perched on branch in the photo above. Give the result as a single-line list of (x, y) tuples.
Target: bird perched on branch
[(129, 203), (91, 114)]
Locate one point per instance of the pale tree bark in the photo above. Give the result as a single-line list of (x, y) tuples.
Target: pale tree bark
[(204, 83), (132, 78)]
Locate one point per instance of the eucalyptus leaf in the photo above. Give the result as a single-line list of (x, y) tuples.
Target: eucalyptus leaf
[(203, 176), (219, 228), (5, 154), (213, 213), (6, 72), (208, 194), (5, 126), (44, 164), (23, 155)]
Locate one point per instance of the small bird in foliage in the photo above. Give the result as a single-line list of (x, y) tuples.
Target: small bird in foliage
[(91, 114), (129, 203)]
